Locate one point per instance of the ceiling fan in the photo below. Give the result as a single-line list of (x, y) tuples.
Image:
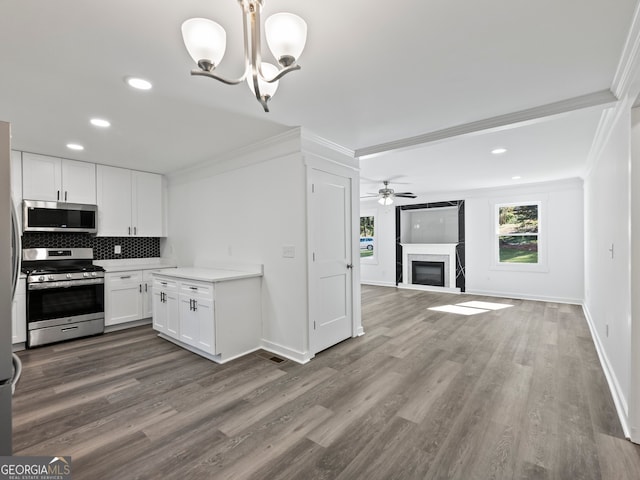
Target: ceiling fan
[(387, 194)]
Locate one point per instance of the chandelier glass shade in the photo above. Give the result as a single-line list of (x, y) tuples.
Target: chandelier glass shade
[(386, 200), (286, 36)]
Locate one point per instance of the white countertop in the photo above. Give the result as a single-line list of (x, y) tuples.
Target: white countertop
[(207, 274), (129, 264)]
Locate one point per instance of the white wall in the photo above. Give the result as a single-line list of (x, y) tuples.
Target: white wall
[(247, 207), (561, 229), (249, 214), (607, 291), (563, 280)]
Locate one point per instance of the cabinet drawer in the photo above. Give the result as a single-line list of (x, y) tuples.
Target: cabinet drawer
[(197, 289), (123, 278), (164, 284)]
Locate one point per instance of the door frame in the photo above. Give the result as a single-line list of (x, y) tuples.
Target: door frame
[(316, 162)]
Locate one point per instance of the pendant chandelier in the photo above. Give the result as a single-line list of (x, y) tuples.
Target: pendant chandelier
[(286, 36)]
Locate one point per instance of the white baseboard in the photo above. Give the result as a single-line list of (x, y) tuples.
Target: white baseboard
[(298, 357), (614, 386), (377, 284), (524, 296), (427, 288)]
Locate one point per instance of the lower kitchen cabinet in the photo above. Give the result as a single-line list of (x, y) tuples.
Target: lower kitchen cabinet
[(128, 296), (197, 317), (218, 319), (165, 307)]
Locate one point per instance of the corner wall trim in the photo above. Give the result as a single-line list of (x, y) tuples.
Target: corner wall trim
[(614, 387)]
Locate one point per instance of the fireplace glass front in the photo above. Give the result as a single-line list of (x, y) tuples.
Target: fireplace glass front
[(427, 273)]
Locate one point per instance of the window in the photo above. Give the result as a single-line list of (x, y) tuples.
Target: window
[(367, 237), (517, 232)]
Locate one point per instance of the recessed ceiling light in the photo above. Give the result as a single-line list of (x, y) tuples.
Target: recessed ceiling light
[(139, 83), (74, 146), (100, 122), (517, 177), (499, 150)]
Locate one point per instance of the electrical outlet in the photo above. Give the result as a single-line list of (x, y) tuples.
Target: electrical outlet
[(117, 249)]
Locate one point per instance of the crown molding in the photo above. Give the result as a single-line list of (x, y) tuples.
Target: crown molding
[(601, 98), (625, 81), (625, 86), (328, 144)]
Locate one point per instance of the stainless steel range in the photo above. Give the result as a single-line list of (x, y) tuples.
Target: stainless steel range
[(65, 294)]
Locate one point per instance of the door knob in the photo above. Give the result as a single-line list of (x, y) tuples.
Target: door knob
[(349, 265)]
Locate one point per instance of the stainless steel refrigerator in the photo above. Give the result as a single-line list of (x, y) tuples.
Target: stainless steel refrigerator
[(9, 271)]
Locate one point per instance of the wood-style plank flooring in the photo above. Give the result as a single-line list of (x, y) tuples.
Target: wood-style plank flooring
[(516, 393)]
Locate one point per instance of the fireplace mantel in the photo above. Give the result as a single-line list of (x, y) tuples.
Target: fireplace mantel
[(436, 249)]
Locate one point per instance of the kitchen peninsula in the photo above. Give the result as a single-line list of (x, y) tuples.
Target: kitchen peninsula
[(213, 312)]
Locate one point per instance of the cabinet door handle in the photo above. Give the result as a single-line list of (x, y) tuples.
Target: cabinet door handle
[(140, 288), (126, 276), (145, 288), (135, 230), (191, 304), (161, 297), (65, 195), (195, 305), (58, 195), (129, 230)]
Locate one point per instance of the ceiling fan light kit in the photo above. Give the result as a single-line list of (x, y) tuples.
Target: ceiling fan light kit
[(286, 36), (386, 195)]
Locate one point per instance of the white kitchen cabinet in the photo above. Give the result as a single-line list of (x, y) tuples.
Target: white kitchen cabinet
[(216, 313), (165, 307), (19, 314), (58, 179), (130, 203), (147, 294), (129, 296), (123, 297), (197, 316), (147, 204)]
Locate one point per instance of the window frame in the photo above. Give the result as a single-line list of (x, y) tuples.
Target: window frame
[(541, 265), (372, 259)]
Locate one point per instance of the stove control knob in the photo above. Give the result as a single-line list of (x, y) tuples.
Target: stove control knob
[(94, 274), (51, 277), (68, 275), (41, 278), (85, 274)]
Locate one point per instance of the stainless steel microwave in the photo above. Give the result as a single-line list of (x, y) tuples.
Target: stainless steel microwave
[(41, 216)]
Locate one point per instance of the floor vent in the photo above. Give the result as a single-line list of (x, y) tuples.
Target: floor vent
[(276, 359)]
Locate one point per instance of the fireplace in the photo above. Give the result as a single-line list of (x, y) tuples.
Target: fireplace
[(427, 273)]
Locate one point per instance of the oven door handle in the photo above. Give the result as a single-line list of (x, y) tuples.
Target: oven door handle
[(65, 284)]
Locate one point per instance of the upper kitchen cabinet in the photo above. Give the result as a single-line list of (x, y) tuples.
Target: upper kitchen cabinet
[(130, 203), (58, 179)]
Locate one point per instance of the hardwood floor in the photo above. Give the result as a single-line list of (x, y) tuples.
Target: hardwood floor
[(516, 393)]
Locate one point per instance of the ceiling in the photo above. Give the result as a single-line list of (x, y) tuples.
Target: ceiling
[(373, 75)]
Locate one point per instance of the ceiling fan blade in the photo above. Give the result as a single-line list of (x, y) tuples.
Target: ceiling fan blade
[(405, 195), (369, 196)]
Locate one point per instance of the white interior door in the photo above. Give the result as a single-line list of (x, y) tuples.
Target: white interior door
[(331, 295)]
